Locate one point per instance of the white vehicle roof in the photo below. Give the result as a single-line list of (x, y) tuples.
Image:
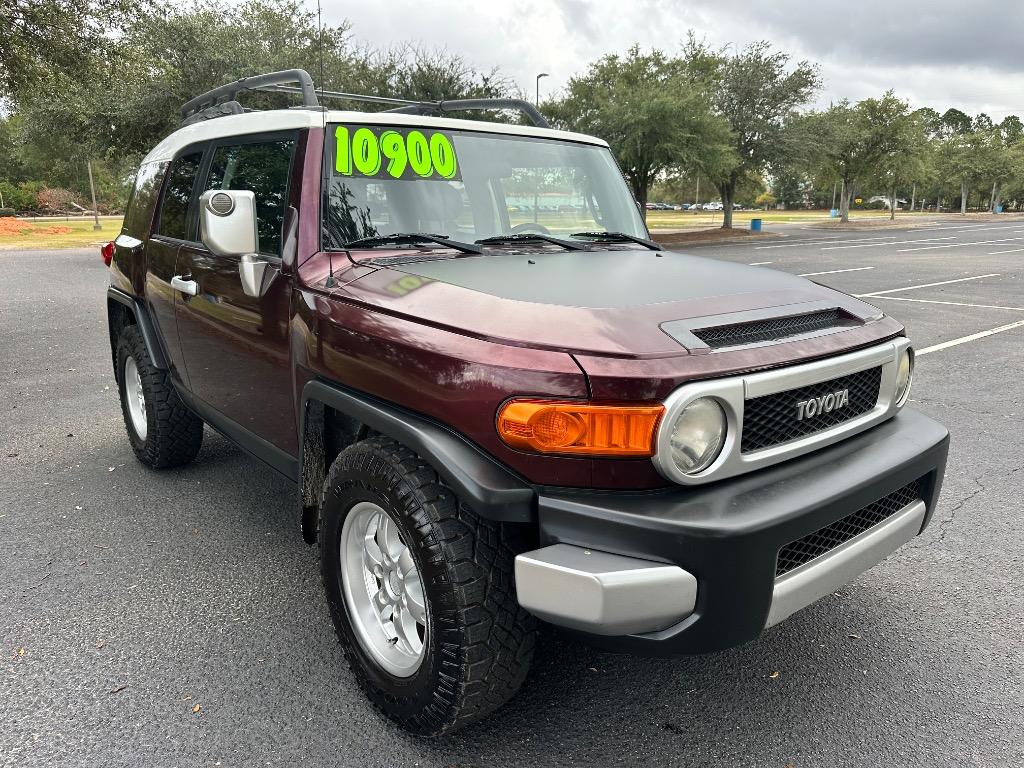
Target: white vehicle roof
[(291, 119)]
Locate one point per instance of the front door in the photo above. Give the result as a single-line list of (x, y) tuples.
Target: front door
[(236, 346)]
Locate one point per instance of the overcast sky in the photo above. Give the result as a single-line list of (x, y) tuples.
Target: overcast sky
[(935, 53)]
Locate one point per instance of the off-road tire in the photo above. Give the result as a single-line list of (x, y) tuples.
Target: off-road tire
[(174, 434), (479, 641)]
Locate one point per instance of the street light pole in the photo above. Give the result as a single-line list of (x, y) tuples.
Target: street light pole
[(536, 96), (536, 101)]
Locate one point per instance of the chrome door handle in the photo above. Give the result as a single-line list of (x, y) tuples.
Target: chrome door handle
[(179, 283)]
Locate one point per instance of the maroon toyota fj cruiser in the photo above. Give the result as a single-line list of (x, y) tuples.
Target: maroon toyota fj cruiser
[(499, 399)]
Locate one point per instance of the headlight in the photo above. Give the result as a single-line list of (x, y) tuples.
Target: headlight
[(698, 435), (904, 376)]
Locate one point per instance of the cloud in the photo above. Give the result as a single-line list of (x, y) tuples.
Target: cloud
[(937, 53)]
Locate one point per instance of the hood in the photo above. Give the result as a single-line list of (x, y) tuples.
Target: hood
[(616, 302)]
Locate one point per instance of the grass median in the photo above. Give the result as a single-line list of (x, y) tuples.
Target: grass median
[(675, 220), (72, 233)]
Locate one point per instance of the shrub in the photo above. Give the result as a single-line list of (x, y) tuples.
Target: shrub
[(20, 197)]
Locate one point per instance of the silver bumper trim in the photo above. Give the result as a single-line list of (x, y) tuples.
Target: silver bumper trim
[(602, 593), (812, 581)]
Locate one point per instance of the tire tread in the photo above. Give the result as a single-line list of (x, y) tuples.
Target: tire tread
[(497, 635)]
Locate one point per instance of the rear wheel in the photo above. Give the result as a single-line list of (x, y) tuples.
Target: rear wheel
[(421, 591), (161, 430)]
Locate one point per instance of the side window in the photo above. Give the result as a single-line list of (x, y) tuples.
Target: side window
[(174, 209), (262, 168), (139, 215)]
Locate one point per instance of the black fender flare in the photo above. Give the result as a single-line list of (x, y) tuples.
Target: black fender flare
[(145, 324), (491, 490)]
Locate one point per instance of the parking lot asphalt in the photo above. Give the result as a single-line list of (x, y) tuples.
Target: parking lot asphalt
[(176, 618)]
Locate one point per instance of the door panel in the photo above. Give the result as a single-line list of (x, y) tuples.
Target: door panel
[(161, 259), (236, 346)]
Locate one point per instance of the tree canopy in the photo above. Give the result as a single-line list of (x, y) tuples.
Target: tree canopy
[(103, 80), (757, 93), (651, 109)]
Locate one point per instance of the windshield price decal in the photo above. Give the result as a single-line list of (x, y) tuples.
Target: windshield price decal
[(394, 153)]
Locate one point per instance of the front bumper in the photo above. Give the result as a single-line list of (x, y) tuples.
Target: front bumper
[(698, 565)]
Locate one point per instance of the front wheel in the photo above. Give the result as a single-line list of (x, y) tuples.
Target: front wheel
[(162, 431), (421, 591)]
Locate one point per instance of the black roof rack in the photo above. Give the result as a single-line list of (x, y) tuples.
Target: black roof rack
[(221, 101)]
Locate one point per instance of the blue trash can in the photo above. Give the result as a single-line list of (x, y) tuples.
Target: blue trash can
[(755, 225), (999, 209)]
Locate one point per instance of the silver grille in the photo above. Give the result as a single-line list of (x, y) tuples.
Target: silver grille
[(735, 394)]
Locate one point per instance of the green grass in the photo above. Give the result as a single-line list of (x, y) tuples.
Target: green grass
[(705, 219), (58, 234)]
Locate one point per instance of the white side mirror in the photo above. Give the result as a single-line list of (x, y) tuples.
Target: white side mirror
[(227, 226), (227, 222)]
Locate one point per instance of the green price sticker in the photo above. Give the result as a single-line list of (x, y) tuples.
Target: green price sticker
[(394, 153)]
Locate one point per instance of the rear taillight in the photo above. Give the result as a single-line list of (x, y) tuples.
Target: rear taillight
[(107, 252)]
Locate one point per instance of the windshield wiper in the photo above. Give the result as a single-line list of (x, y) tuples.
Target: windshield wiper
[(618, 237), (529, 237), (411, 238)]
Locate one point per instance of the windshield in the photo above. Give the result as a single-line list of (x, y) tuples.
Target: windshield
[(468, 185)]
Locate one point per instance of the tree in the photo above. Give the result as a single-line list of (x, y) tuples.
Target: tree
[(41, 37), (901, 139), (787, 188), (840, 141), (977, 157), (1012, 129), (651, 110), (756, 92), (954, 122), (171, 53), (876, 140), (10, 163)]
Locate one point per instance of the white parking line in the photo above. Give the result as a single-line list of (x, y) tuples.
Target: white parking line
[(972, 226), (834, 271), (897, 242), (820, 241), (951, 303), (925, 285), (759, 263), (957, 245), (1012, 250), (1001, 227), (965, 339)]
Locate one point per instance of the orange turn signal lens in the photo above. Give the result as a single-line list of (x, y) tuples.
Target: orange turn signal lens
[(546, 426)]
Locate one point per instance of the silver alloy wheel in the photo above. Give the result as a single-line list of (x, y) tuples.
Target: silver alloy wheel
[(135, 398), (383, 590)]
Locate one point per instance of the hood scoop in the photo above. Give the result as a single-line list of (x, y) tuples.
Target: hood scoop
[(759, 327)]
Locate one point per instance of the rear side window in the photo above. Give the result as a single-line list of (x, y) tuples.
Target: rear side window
[(139, 215), (262, 168), (174, 221)]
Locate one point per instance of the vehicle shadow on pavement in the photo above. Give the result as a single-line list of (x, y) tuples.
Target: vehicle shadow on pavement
[(198, 581), (801, 688)]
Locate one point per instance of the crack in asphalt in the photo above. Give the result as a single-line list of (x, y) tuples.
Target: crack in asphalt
[(943, 524)]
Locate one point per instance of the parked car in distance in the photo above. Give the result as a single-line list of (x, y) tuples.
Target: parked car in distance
[(495, 418)]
